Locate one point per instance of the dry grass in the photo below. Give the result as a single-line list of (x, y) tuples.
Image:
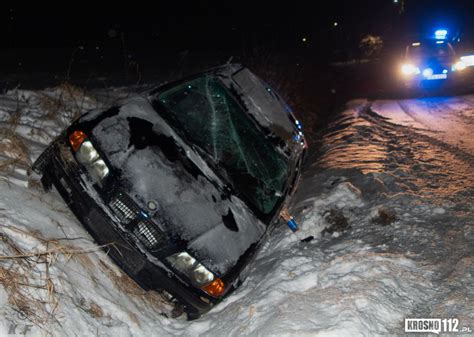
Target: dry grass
[(8, 164), (28, 282), (62, 104), (65, 104), (31, 296), (91, 307), (153, 298), (95, 310), (12, 146)]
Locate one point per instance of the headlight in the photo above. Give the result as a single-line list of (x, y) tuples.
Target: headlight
[(468, 60), (459, 66), (410, 69), (87, 153), (428, 72), (99, 169), (88, 156), (202, 275), (189, 266)]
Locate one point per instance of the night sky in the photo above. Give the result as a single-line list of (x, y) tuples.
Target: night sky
[(212, 25), (133, 42)]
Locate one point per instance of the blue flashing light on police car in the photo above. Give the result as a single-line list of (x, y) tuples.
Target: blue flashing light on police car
[(441, 34)]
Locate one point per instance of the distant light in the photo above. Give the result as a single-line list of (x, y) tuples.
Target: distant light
[(112, 33), (416, 44), (439, 42), (445, 71), (395, 1), (428, 72), (304, 39), (440, 34), (336, 24)]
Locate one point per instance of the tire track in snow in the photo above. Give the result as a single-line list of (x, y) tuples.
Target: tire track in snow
[(410, 114), (377, 118)]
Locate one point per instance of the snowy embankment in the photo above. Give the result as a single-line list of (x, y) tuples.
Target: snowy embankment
[(387, 197)]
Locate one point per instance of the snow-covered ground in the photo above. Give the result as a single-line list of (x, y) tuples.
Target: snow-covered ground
[(387, 195)]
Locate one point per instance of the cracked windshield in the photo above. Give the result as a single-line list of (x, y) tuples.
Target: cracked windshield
[(210, 118)]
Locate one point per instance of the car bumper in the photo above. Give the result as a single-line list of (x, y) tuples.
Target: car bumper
[(62, 172)]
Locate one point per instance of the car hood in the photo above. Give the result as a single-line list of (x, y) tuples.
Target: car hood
[(153, 164), (434, 61)]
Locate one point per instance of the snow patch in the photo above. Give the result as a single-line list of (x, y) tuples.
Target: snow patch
[(345, 197)]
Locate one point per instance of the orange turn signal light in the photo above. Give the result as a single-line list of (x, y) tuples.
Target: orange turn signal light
[(76, 139), (215, 288)]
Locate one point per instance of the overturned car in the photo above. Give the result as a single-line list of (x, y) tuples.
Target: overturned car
[(184, 181)]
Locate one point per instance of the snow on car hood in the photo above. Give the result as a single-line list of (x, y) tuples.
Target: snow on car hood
[(154, 164)]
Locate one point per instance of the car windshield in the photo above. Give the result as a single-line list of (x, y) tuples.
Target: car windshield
[(430, 49), (208, 116)]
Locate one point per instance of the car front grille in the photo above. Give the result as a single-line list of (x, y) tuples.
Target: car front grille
[(136, 220), (124, 208), (147, 232)]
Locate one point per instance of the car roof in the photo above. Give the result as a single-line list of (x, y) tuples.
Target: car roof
[(429, 42)]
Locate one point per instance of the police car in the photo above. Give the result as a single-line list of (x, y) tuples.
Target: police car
[(432, 61)]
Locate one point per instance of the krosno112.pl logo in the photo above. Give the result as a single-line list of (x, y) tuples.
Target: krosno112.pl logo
[(434, 325)]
